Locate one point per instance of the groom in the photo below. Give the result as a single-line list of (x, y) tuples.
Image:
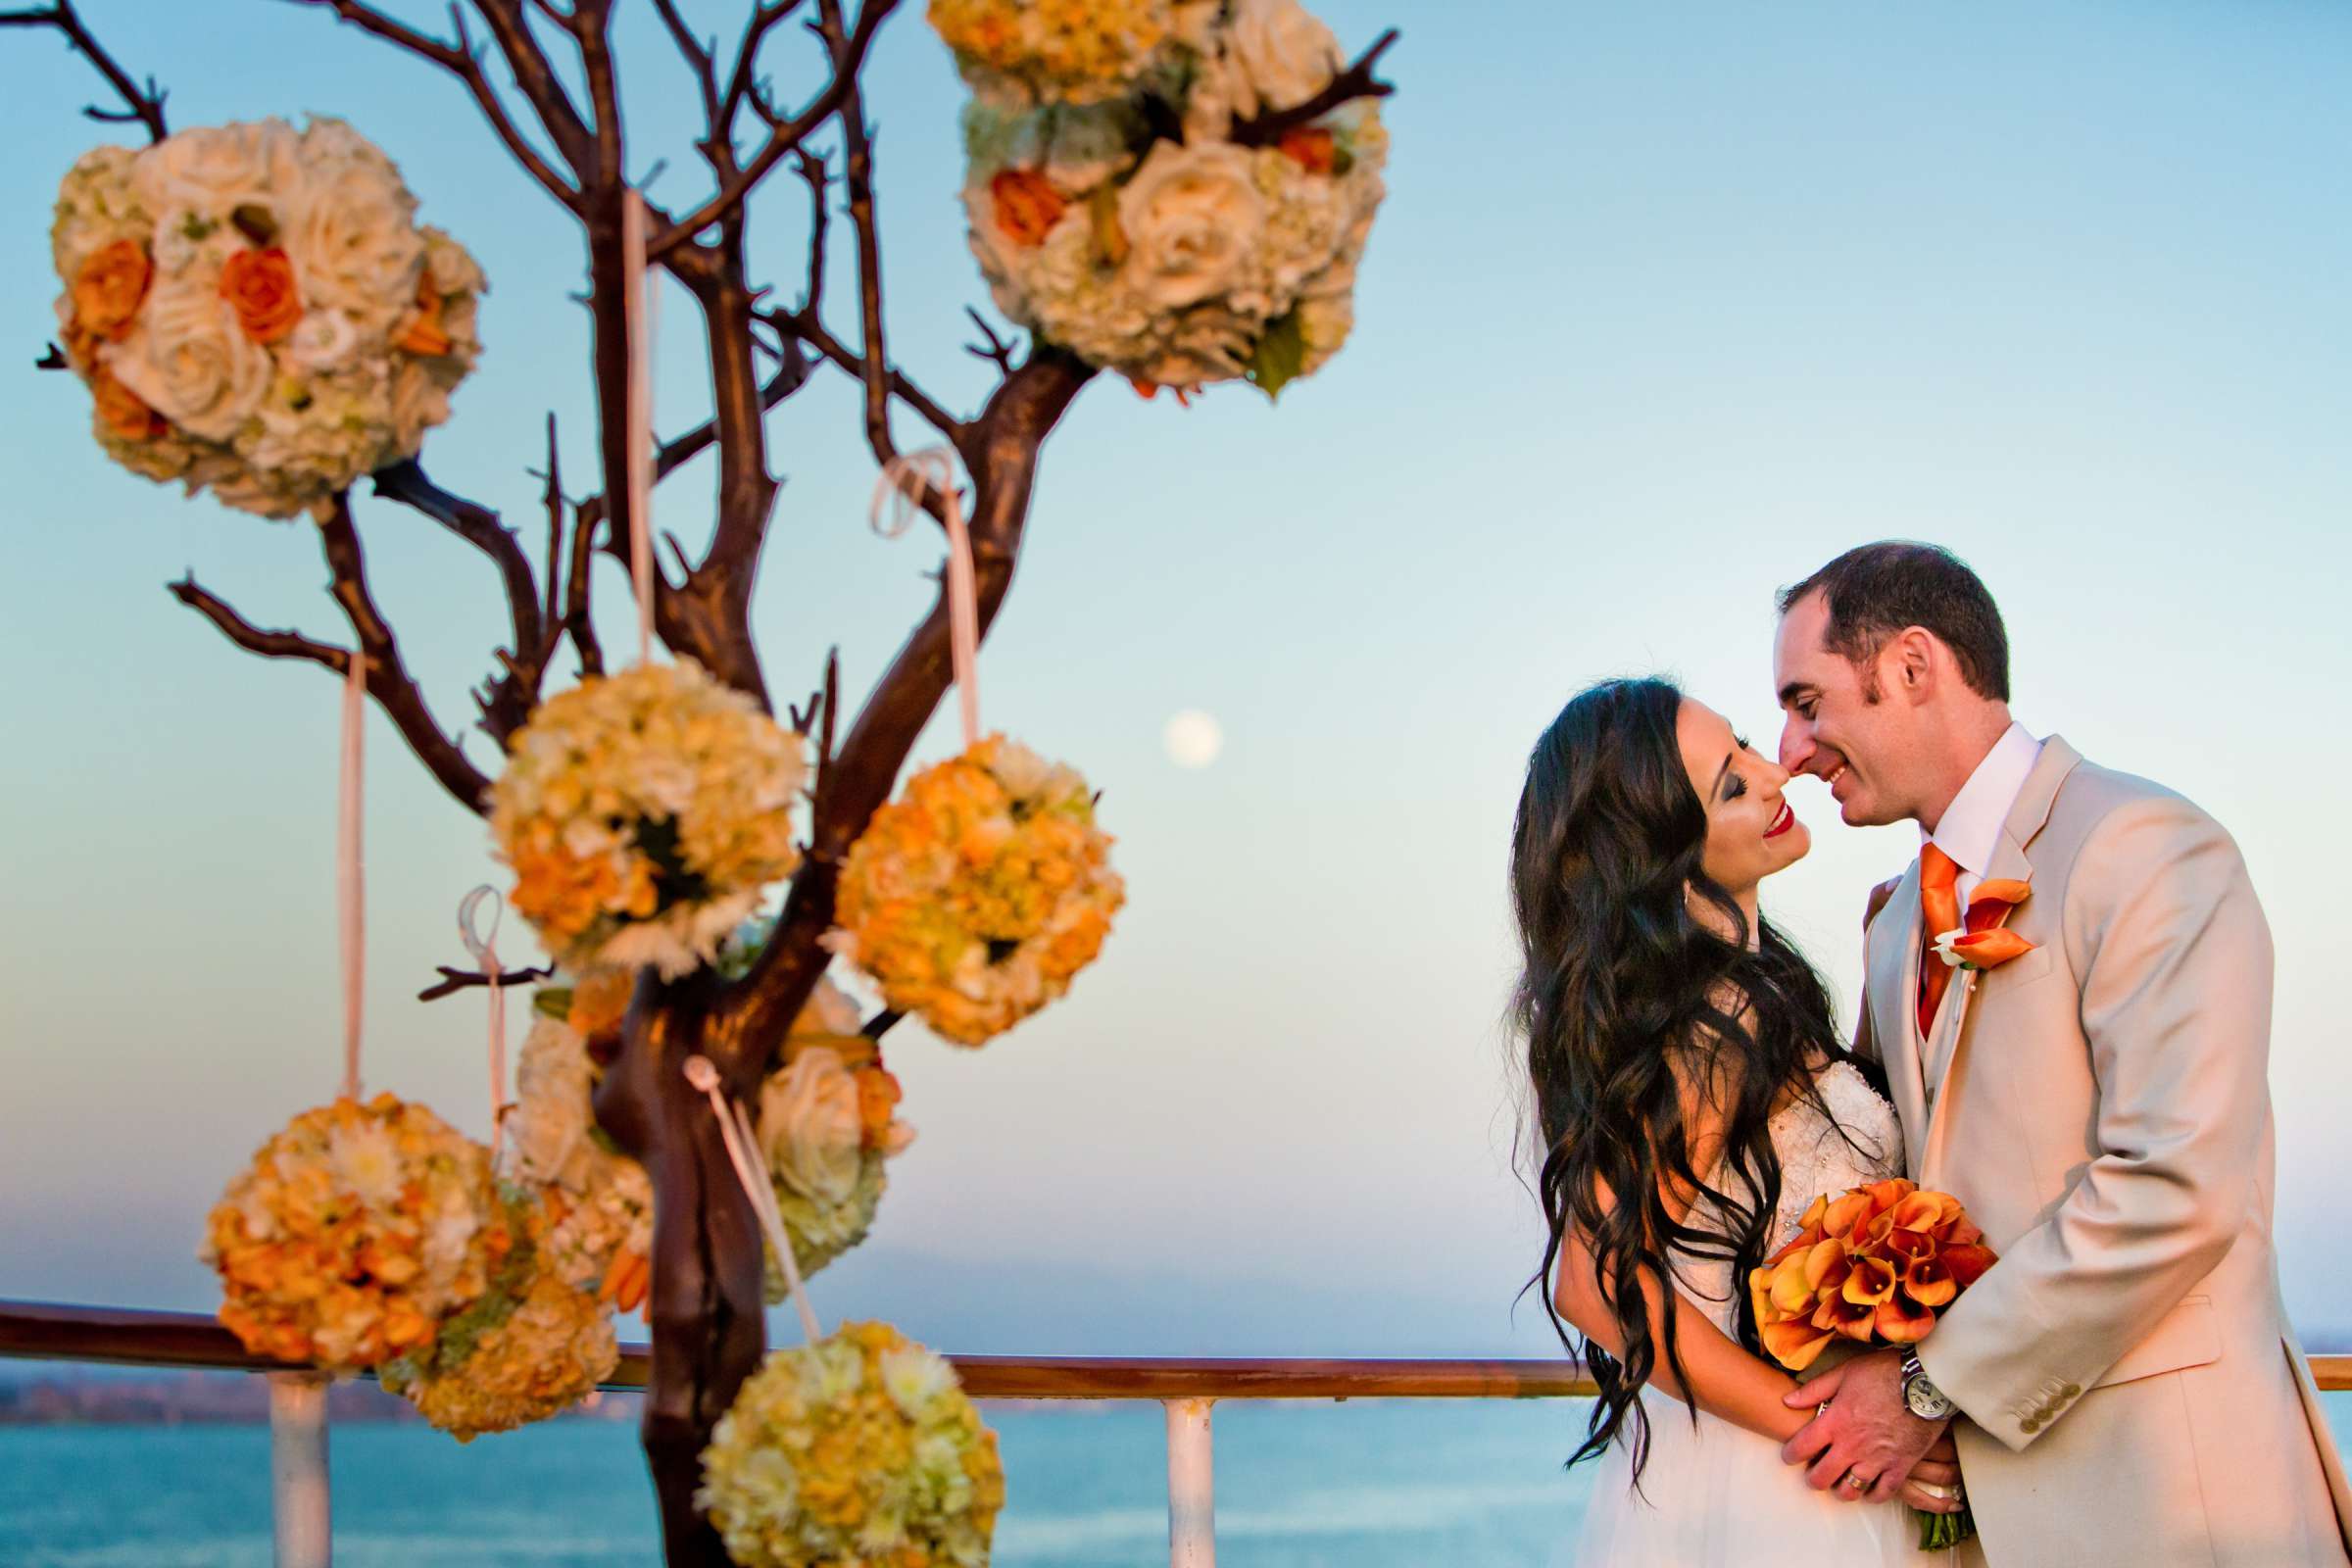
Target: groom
[(2123, 1385)]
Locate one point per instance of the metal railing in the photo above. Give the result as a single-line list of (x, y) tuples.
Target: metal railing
[(1186, 1387)]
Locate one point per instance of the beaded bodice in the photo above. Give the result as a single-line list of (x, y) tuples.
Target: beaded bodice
[(1858, 1141)]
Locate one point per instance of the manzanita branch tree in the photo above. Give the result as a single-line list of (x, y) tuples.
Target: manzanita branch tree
[(1139, 162)]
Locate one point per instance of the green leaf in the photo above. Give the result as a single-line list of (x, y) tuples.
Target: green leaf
[(1280, 357), (552, 1001)]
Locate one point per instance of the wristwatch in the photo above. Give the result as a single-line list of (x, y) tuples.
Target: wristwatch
[(1926, 1401)]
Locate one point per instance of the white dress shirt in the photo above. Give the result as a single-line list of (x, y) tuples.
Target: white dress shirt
[(1970, 830)]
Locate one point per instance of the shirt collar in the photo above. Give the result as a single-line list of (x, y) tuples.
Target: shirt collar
[(1970, 828)]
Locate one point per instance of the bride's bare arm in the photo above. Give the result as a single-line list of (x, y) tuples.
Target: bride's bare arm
[(1722, 1379)]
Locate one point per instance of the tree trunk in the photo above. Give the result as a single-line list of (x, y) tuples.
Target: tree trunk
[(707, 1308)]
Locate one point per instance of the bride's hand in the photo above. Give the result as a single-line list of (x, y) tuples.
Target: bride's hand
[(1935, 1482)]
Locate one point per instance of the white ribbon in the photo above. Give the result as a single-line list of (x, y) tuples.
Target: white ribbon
[(897, 495), (735, 1127), (641, 304), (484, 948), (351, 891)]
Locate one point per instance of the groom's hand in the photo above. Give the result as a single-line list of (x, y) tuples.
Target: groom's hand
[(1865, 1430), (1934, 1483)]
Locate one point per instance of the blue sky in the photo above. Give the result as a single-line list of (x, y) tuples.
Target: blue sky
[(1668, 304)]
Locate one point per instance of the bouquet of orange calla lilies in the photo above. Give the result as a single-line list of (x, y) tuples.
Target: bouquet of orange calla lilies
[(1872, 1265)]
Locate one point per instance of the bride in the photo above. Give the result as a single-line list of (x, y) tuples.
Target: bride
[(1692, 1098)]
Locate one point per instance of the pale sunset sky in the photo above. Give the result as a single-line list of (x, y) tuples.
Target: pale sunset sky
[(1668, 304)]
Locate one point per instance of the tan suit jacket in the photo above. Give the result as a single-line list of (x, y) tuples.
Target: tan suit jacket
[(2135, 1395)]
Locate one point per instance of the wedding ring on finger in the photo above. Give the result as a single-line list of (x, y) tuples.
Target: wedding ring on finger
[(1857, 1482)]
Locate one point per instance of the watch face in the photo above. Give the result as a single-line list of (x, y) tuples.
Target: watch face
[(1925, 1401)]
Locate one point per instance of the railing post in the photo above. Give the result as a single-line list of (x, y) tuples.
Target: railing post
[(1192, 1486), (298, 1492)]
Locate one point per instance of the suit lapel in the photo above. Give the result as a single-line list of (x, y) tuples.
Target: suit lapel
[(2013, 860), (1890, 990)]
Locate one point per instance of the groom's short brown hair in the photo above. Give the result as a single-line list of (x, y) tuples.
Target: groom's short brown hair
[(1875, 591)]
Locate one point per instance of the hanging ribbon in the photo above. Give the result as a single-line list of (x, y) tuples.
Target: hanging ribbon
[(351, 893), (484, 948), (641, 303), (906, 480), (743, 1142)]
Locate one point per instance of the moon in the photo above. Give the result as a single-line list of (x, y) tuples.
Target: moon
[(1192, 738)]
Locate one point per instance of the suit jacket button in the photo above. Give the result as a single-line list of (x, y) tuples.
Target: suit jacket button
[(2029, 1425), (2073, 1391)]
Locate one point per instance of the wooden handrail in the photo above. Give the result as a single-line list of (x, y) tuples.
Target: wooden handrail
[(130, 1336)]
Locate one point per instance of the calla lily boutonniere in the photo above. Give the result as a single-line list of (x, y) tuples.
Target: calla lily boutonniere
[(1982, 942)]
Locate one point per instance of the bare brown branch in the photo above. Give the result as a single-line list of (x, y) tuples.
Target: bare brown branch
[(698, 58), (253, 639), (849, 58), (550, 609), (535, 77), (743, 84), (388, 680), (505, 701), (1357, 82), (801, 325), (857, 175), (460, 61), (998, 352), (388, 684), (141, 106), (1002, 452), (591, 31), (453, 981)]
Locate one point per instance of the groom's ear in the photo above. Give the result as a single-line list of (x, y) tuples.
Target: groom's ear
[(1909, 660)]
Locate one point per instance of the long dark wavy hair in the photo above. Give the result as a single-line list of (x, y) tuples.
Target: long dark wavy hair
[(1625, 998)]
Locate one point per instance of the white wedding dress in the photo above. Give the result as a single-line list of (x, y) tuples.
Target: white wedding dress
[(1716, 1496)]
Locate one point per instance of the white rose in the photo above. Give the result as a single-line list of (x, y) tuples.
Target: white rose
[(420, 401), (452, 266), (189, 361), (1191, 215), (827, 1011), (354, 243), (1220, 90), (214, 169), (809, 1122), (322, 340), (96, 205), (1286, 55), (553, 1085), (325, 432)]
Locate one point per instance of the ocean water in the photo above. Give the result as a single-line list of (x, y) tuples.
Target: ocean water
[(1367, 1484), (1362, 1484)]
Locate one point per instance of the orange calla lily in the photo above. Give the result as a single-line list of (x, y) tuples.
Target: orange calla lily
[(1851, 1320), (1901, 1322), (1797, 1344), (2000, 890), (1929, 1281), (1925, 1212), (1904, 1245), (1789, 1289), (1841, 1216), (1967, 1263), (1870, 1282), (1989, 950)]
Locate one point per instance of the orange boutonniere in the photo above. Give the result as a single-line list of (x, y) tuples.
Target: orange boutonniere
[(1983, 941)]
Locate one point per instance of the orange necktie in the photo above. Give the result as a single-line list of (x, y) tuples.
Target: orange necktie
[(1938, 912)]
